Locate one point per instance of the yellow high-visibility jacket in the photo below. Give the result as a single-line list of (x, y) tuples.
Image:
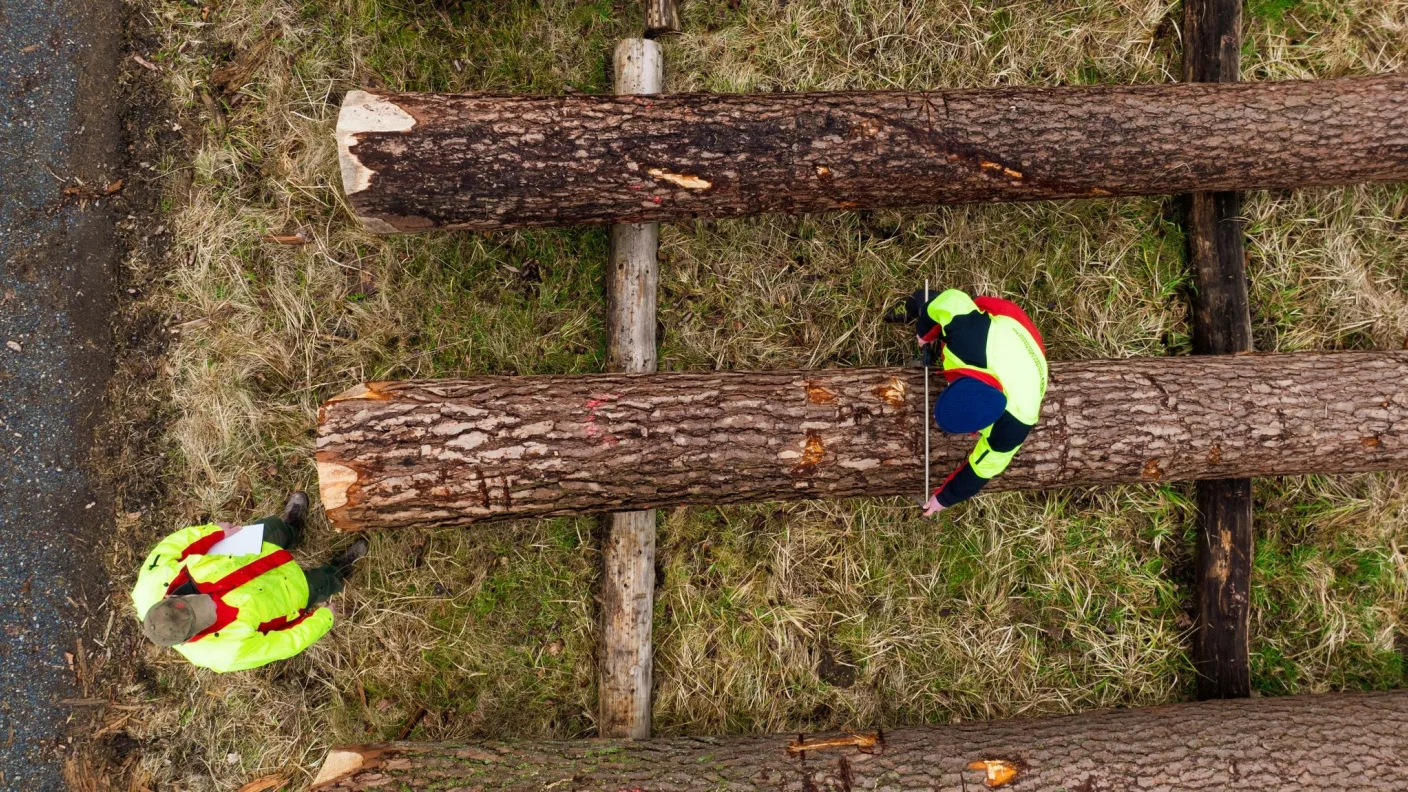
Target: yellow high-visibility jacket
[(261, 600), (994, 341)]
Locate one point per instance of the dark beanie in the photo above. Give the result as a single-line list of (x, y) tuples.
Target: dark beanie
[(967, 405)]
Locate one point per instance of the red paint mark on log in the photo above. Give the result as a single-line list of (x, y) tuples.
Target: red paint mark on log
[(1370, 442)]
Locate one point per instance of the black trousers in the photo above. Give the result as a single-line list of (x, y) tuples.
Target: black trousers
[(323, 581)]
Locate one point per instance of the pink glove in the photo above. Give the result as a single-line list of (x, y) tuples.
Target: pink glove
[(230, 530), (933, 507), (920, 339)]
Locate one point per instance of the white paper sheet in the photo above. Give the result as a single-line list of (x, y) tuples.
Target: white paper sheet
[(247, 541)]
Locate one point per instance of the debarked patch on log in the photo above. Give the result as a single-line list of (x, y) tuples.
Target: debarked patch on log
[(685, 180)]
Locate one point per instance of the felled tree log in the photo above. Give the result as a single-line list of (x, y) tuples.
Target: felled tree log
[(1222, 325), (628, 549), (412, 162), (1298, 743), (457, 452)]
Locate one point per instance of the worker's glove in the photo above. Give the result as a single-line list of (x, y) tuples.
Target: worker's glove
[(933, 507)]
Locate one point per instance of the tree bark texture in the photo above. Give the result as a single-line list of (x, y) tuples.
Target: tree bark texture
[(1292, 744), (414, 162), (661, 17), (457, 452), (1222, 325), (624, 685)]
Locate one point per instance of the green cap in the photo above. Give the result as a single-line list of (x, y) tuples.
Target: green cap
[(175, 620)]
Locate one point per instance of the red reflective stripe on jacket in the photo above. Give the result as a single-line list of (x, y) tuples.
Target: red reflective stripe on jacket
[(1000, 307), (202, 545), (953, 374), (182, 578), (283, 623), (226, 614), (248, 572), (945, 482)]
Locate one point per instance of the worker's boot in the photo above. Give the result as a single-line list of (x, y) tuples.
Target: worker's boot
[(295, 516), (343, 561)]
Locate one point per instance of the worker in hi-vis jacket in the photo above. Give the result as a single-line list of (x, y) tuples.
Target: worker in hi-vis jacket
[(230, 612), (994, 360)]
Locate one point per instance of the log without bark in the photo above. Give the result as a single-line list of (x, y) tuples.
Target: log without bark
[(628, 551), (456, 452), (413, 162), (1300, 743), (1222, 325)]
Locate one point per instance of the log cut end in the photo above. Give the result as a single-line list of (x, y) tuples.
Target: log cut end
[(639, 66), (333, 482), (364, 112), (341, 762)]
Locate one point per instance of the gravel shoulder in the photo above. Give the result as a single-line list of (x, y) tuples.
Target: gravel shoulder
[(59, 129)]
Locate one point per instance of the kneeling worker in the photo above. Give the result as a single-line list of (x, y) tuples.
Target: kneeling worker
[(234, 612), (995, 362)]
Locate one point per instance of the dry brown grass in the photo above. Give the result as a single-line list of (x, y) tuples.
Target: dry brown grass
[(1015, 604)]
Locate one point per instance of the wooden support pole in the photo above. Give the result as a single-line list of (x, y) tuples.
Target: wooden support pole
[(459, 452), (414, 162), (1221, 326), (628, 551), (661, 17), (1327, 743)]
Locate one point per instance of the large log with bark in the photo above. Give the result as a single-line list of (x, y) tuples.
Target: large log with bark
[(1292, 744), (1222, 325), (457, 452), (413, 162)]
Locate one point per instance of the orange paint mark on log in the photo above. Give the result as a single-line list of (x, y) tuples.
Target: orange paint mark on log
[(997, 772), (817, 394), (823, 172), (1214, 454), (1151, 471), (1098, 191), (1003, 169), (685, 180), (864, 742), (1370, 442), (892, 392)]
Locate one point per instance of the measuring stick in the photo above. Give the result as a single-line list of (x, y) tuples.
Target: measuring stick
[(924, 361)]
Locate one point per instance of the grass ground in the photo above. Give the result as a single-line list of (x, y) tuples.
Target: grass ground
[(769, 617)]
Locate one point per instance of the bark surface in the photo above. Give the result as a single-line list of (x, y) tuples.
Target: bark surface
[(661, 17), (1301, 743), (413, 162), (628, 551), (457, 452), (1222, 325)]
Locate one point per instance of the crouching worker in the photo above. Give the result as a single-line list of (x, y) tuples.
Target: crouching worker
[(995, 362), (234, 612)]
